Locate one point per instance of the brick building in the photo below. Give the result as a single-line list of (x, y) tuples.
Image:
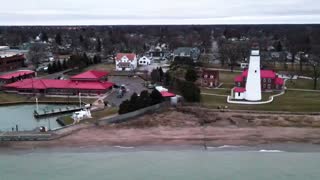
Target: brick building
[(210, 78), (11, 62), (269, 81)]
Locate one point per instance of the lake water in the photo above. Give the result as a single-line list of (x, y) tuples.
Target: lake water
[(124, 163), (22, 115)]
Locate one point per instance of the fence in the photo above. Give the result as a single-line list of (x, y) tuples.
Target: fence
[(129, 116)]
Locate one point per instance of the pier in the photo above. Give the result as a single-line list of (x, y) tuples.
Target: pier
[(57, 111)]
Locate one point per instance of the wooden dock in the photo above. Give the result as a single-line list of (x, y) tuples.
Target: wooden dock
[(46, 113)]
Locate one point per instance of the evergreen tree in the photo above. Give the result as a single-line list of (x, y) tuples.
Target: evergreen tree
[(58, 39), (95, 59), (54, 67), (124, 107), (98, 48), (50, 71), (133, 102), (44, 36), (279, 47), (161, 73), (156, 97), (59, 66), (189, 91), (64, 64), (155, 75), (191, 75)]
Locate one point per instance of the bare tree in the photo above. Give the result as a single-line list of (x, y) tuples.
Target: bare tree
[(37, 53)]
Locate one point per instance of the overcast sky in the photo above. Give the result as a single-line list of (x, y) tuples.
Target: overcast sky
[(115, 12)]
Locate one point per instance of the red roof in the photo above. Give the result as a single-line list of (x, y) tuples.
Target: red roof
[(239, 90), (238, 78), (58, 84), (167, 94), (264, 74), (279, 81), (92, 75), (130, 56), (16, 74)]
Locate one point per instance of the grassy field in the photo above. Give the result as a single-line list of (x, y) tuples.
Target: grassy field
[(104, 113), (7, 98), (293, 101), (216, 91), (227, 77), (101, 67), (301, 84)]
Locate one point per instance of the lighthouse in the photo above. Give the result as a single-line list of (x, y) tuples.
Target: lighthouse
[(253, 84)]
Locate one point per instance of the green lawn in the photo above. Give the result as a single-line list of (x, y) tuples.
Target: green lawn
[(227, 77), (301, 84), (7, 98), (293, 101), (216, 91), (101, 67)]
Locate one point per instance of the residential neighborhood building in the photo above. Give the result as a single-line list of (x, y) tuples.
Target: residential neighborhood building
[(193, 53), (210, 78), (126, 62), (11, 62), (159, 52), (87, 83), (144, 61)]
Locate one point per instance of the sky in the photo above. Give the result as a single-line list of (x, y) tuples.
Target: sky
[(150, 12)]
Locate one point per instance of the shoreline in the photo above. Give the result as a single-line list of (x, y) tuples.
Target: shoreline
[(188, 127), (98, 137)]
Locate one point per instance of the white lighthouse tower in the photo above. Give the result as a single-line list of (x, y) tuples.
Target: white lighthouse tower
[(253, 85)]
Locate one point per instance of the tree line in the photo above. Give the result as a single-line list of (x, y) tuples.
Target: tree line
[(75, 61), (136, 102)]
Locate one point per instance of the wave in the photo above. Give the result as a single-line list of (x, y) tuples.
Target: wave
[(271, 151), (225, 146), (124, 147)]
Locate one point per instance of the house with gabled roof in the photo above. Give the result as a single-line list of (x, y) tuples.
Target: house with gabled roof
[(126, 62)]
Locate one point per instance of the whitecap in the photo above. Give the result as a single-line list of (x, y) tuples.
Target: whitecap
[(271, 151), (124, 147)]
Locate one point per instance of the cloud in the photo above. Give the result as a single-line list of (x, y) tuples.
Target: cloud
[(105, 12)]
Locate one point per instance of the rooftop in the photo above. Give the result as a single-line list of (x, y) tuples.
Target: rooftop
[(264, 74), (90, 75), (130, 56), (16, 74), (58, 84)]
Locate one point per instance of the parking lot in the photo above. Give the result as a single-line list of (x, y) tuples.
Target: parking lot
[(132, 84)]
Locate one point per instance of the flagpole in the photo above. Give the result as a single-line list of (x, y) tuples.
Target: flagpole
[(80, 99)]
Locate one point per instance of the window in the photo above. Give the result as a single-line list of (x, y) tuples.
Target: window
[(211, 76), (239, 93), (264, 86), (269, 80), (205, 76), (269, 86), (264, 80)]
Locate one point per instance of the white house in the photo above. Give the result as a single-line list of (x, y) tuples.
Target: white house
[(126, 62), (144, 61)]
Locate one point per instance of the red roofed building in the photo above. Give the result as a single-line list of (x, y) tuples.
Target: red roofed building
[(83, 83), (269, 80), (16, 76), (126, 62), (91, 76)]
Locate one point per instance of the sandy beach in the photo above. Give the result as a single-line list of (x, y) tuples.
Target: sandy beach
[(191, 128)]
